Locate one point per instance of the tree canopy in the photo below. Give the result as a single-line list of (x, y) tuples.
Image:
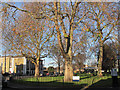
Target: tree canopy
[(76, 26)]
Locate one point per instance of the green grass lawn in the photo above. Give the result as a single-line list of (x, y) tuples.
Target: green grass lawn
[(85, 80)]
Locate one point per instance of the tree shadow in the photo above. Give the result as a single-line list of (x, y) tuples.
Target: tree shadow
[(50, 84), (86, 77), (107, 83)]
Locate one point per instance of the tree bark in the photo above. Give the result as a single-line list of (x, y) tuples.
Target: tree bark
[(67, 54), (68, 71), (59, 66), (36, 70), (100, 59)]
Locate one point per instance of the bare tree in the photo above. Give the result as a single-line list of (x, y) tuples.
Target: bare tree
[(28, 36), (66, 17), (101, 23), (72, 14), (79, 60), (55, 54), (109, 55)]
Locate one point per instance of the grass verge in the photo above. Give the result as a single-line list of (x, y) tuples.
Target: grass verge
[(85, 80)]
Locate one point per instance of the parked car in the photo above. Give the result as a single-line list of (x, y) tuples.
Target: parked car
[(56, 74), (51, 74), (47, 74), (62, 74)]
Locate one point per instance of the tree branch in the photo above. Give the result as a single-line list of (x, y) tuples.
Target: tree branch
[(30, 13), (109, 32), (57, 29)]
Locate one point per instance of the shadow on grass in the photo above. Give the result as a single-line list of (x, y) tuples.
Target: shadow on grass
[(106, 83), (54, 83), (86, 77)]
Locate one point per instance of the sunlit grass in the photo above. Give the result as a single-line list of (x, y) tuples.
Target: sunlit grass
[(86, 79), (44, 79)]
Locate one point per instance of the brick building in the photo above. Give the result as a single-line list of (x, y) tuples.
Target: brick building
[(19, 65)]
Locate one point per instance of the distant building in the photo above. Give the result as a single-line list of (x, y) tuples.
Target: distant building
[(19, 65)]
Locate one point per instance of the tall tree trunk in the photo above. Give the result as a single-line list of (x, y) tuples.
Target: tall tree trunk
[(68, 71), (100, 59), (37, 68), (67, 54), (59, 66), (119, 66)]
